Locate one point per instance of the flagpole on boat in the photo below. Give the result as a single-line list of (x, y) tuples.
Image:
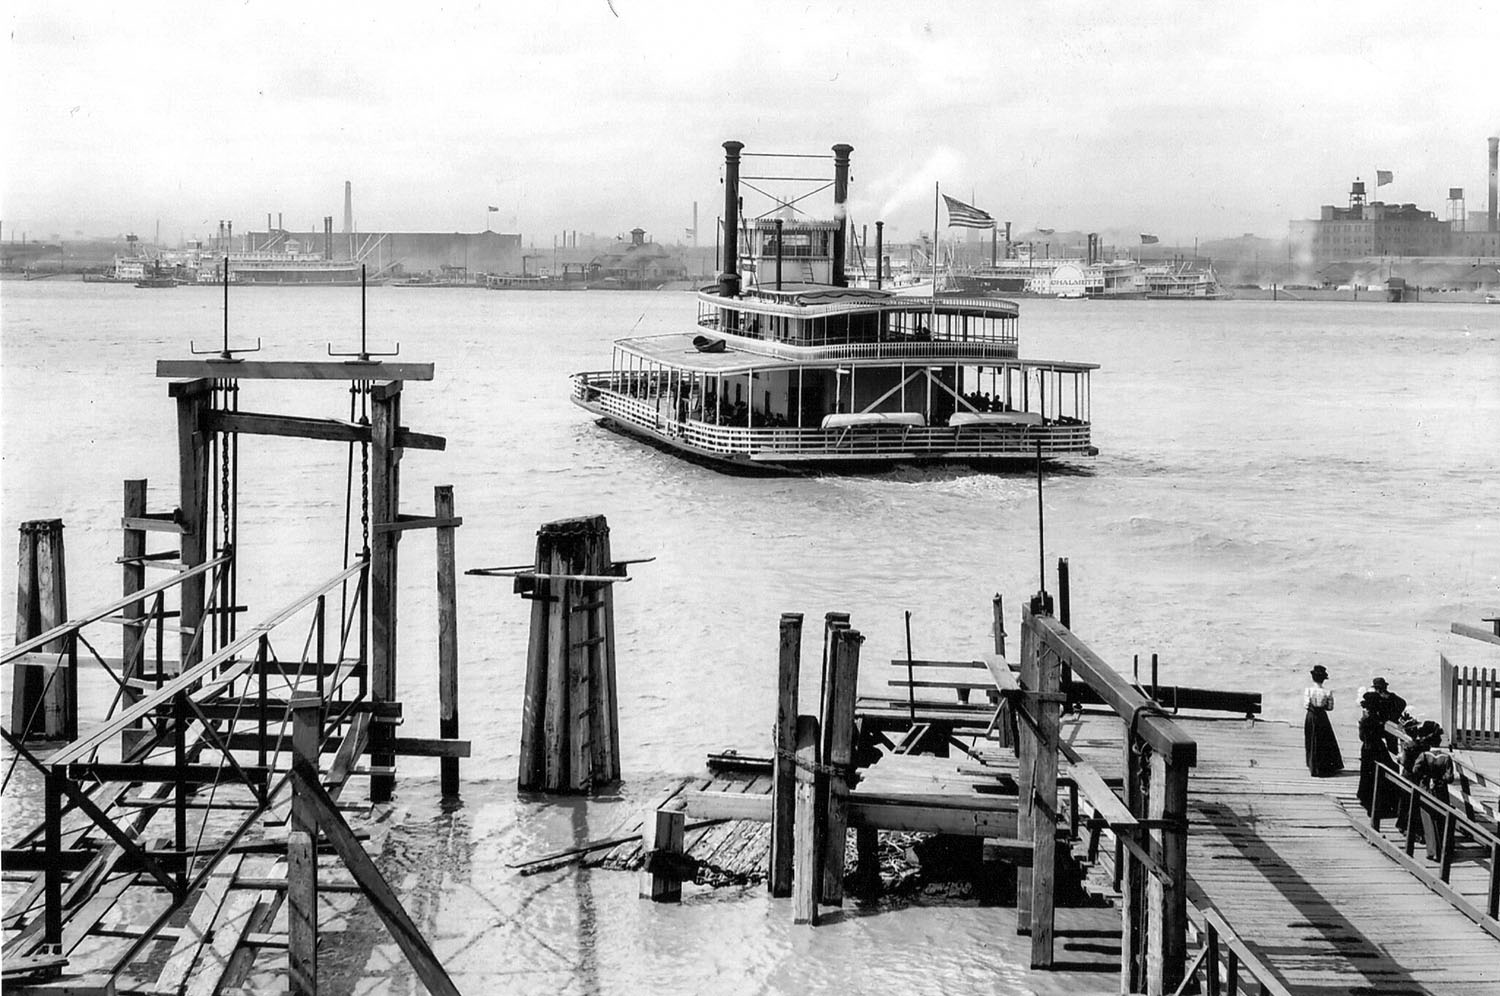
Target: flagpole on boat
[(932, 316)]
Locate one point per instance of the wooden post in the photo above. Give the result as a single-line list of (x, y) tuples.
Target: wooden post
[(1064, 614), (659, 880), (44, 697), (784, 737), (1043, 801), (133, 639), (447, 591), (194, 467), (1132, 881), (1166, 928), (997, 611), (385, 506), (831, 621), (1026, 750), (867, 853), (808, 844), (843, 679), (302, 853)]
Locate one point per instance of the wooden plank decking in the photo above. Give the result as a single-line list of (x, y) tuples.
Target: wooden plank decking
[(1277, 853)]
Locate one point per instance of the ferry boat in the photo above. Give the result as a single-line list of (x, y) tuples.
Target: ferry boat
[(788, 367), (1183, 280)]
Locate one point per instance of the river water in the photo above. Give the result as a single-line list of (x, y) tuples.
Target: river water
[(1280, 484)]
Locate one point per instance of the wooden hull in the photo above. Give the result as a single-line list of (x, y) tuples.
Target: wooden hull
[(770, 451)]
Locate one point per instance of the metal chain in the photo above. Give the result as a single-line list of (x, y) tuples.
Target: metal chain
[(364, 476), (845, 771)]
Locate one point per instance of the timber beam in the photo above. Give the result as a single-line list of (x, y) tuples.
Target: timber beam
[(1124, 698), (249, 774), (294, 370), (301, 427)]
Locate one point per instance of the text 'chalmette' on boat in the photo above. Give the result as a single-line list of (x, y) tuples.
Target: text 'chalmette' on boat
[(790, 367)]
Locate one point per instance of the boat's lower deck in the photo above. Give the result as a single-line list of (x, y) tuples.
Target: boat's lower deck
[(785, 447)]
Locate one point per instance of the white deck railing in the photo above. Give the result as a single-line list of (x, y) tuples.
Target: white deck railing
[(593, 391)]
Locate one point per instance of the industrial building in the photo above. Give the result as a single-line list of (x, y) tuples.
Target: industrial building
[(1368, 228)]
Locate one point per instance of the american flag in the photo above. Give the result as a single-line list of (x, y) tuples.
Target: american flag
[(961, 215), (1383, 176)]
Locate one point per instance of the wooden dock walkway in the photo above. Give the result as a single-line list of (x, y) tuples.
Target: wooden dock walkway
[(1278, 854)]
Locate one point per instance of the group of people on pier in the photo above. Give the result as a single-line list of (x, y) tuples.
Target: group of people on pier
[(1419, 757)]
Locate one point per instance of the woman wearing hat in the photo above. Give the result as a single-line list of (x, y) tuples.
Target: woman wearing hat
[(1373, 754), (1323, 757)]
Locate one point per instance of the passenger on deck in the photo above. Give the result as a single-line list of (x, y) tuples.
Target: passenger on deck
[(1391, 708), (1372, 754), (1322, 747)]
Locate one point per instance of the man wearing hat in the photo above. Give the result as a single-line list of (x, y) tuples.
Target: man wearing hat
[(1390, 708)]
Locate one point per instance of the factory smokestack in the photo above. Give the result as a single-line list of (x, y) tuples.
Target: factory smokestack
[(1494, 168), (348, 208)]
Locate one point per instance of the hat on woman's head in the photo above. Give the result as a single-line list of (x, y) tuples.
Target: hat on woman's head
[(1319, 672), (1370, 700), (1378, 682)]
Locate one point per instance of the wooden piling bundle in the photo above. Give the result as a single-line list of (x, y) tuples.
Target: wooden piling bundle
[(44, 696), (570, 713)]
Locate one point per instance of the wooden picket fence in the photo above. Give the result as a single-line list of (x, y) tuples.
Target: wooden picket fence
[(1470, 703)]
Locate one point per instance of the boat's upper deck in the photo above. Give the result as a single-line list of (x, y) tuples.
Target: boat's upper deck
[(812, 321), (681, 351)]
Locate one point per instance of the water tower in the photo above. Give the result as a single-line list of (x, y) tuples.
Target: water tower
[(1457, 217)]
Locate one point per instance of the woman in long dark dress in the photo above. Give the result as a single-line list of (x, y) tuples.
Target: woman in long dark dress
[(1323, 756), (1373, 753)]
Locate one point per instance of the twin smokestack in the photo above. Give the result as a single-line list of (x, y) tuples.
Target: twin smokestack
[(729, 279)]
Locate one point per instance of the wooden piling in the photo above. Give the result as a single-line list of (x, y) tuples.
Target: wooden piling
[(302, 854), (867, 856), (809, 838), (1047, 668), (783, 773), (44, 696), (1026, 752), (447, 592), (838, 720), (385, 506), (997, 613), (194, 472), (660, 880), (133, 571), (570, 737), (1166, 915), (1132, 880)]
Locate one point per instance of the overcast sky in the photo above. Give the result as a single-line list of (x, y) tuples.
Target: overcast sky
[(1180, 119)]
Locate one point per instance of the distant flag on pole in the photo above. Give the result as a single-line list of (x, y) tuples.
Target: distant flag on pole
[(1149, 240), (1383, 176), (961, 215), (493, 208)]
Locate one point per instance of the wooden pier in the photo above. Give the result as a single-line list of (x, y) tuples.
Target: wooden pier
[(195, 833), (1233, 869)]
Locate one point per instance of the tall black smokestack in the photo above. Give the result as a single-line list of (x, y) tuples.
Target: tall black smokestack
[(348, 208), (879, 250), (729, 279), (1494, 168), (328, 236), (840, 195)]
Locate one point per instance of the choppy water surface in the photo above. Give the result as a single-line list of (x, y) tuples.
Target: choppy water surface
[(1280, 484)]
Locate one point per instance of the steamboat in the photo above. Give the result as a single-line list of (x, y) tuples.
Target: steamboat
[(788, 367)]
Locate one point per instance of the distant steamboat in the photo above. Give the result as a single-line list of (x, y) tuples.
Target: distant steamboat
[(811, 373)]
